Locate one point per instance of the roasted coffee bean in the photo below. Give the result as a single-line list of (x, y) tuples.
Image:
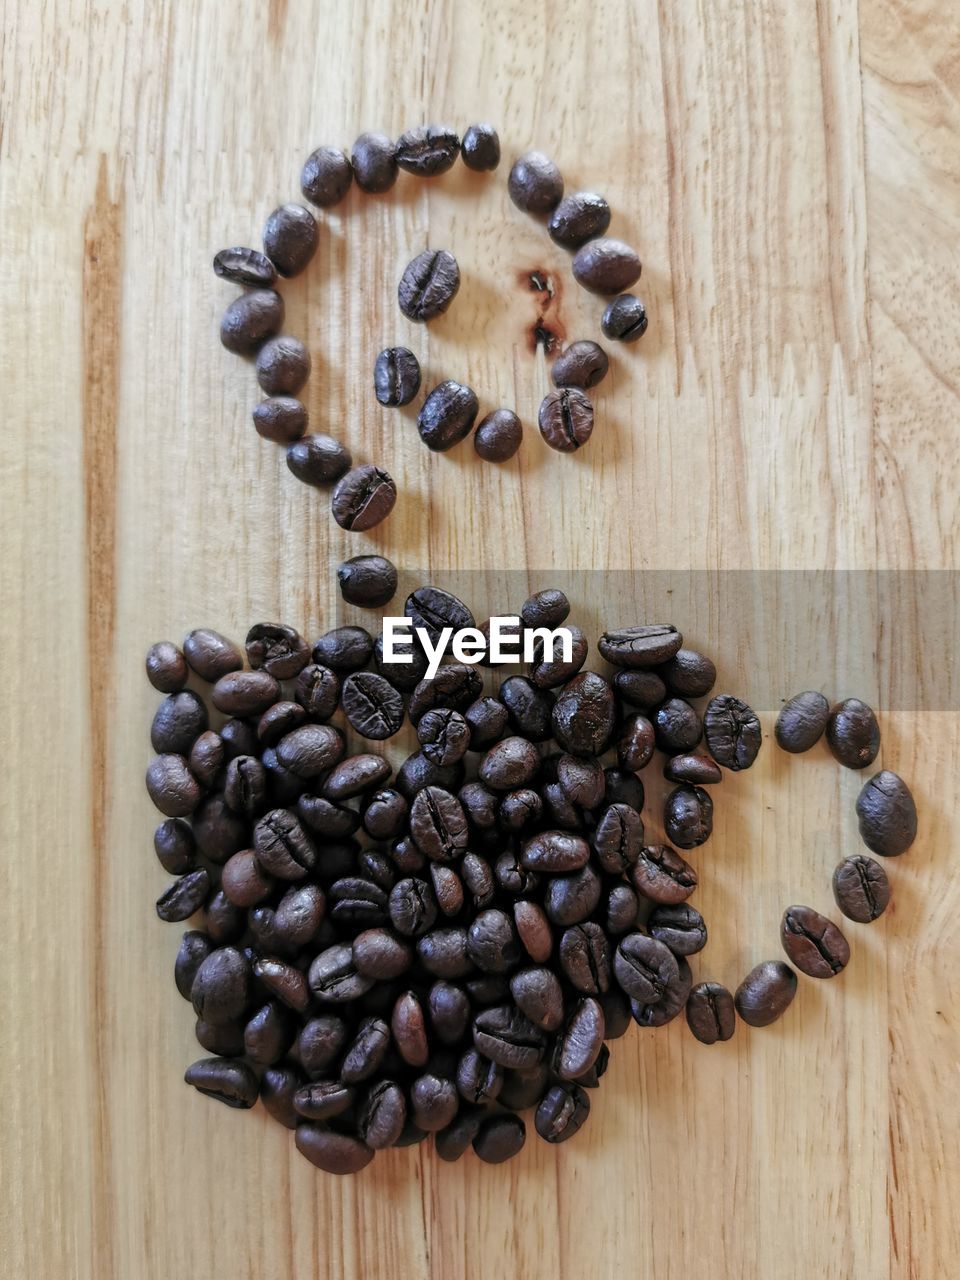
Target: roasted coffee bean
[(624, 319), (363, 497), (455, 686), (326, 176), (479, 1080), (662, 1011), (245, 693), (195, 946), (239, 738), (428, 285), (562, 1112), (396, 376), (640, 646), (379, 954), (268, 1034), (330, 1151), (408, 1027), (284, 981), (636, 743), (354, 776), (512, 762), (499, 436), (443, 953), (570, 899), (853, 734), (298, 917), (211, 655), (643, 689), (323, 1099), (578, 218), (175, 846), (224, 922), (418, 772), (814, 943), (529, 708), (282, 419), (312, 749), (374, 161), (283, 787), (861, 888), (520, 809), (320, 1044), (618, 838), (277, 1087), (166, 667), (277, 649), (334, 977), (184, 896), (504, 1035), (491, 943), (452, 1142), (367, 1051), (217, 830), (511, 876), (444, 735), (428, 150), (689, 674), (694, 770), (644, 968), (548, 608), (438, 824), (367, 581), (583, 781), (449, 1012), (555, 852), (433, 609), (412, 907), (478, 879), (710, 1012), (606, 265), (679, 927), (283, 366), (801, 721), (207, 757), (382, 1115), (245, 787), (357, 901), (566, 419), (688, 817), (622, 906), (887, 814), (171, 786), (250, 320), (557, 670), (525, 1088), (447, 415), (579, 1044), (244, 881), (481, 147), (227, 1080), (732, 731), (487, 989), (221, 986), (535, 183), (433, 1101), (344, 649), (585, 958), (318, 459), (372, 705), (279, 720), (584, 715), (663, 876), (282, 846), (245, 266), (765, 993), (384, 814), (290, 238), (177, 723), (317, 691), (500, 1138), (538, 995), (677, 726), (616, 1013), (480, 806)]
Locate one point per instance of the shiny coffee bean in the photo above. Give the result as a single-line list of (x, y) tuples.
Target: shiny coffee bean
[(226, 1080), (480, 147), (732, 731), (268, 1034), (679, 927), (505, 1036), (861, 888), (853, 734), (555, 852), (571, 899), (245, 693), (171, 786), (326, 176), (582, 780), (433, 1102), (814, 943), (562, 1112), (643, 646), (428, 150), (663, 876), (330, 1151), (710, 1012), (175, 846), (250, 320), (334, 977), (372, 705), (184, 897), (374, 160), (887, 815), (385, 814), (177, 723), (245, 266), (166, 667), (438, 824), (584, 956), (491, 943), (221, 986), (582, 364), (479, 1080), (801, 721), (396, 376), (447, 415), (428, 285), (498, 436), (535, 183), (670, 1005), (636, 743), (644, 689), (606, 265), (277, 1087), (624, 319), (688, 817), (644, 968), (318, 459), (282, 846), (363, 498), (367, 581), (530, 709), (578, 218), (211, 655), (677, 726), (290, 238), (207, 757), (344, 649), (412, 907), (693, 770), (565, 419), (500, 1138), (538, 995), (408, 1027), (581, 1040), (584, 715), (765, 993), (281, 419)]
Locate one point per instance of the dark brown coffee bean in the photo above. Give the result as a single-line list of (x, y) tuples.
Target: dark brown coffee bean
[(452, 1143), (585, 958), (310, 750), (732, 731), (250, 320), (384, 814), (320, 1044), (562, 1112), (239, 738), (177, 723), (765, 993), (535, 183), (418, 772), (581, 364), (317, 459), (412, 907), (887, 814), (175, 846), (268, 1034), (814, 943), (207, 757), (504, 1035), (548, 674), (334, 977), (606, 266), (277, 649), (326, 176), (433, 1101), (566, 419), (499, 436), (195, 946), (571, 899), (428, 150), (277, 1087), (322, 1099), (245, 266), (444, 735), (221, 986), (644, 968), (710, 1012), (801, 721), (478, 879), (548, 608), (428, 285), (344, 649), (379, 954), (279, 720), (282, 846), (224, 922), (284, 981), (584, 715), (245, 787), (677, 726), (853, 734), (367, 581), (663, 876), (171, 786), (211, 655), (640, 646), (555, 852), (382, 1115), (227, 1080), (447, 415), (332, 1152), (689, 674), (367, 1051), (283, 366), (583, 781), (479, 1080), (443, 953), (642, 689), (618, 838), (680, 927), (538, 995), (374, 162), (245, 693), (166, 667), (447, 888), (664, 1010), (438, 824), (512, 762), (694, 770), (282, 419), (529, 708), (217, 831), (861, 888), (354, 776), (244, 881), (481, 147), (184, 897), (578, 218), (578, 1045), (408, 1027), (636, 743), (624, 319), (491, 942), (520, 809), (396, 376), (290, 238), (363, 497), (326, 818), (372, 705), (688, 817)]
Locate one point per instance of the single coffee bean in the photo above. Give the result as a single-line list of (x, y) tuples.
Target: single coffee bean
[(512, 762), (618, 838), (814, 943), (408, 1027), (562, 1112), (433, 609), (500, 1138), (244, 881), (227, 1080), (330, 1151), (643, 689), (624, 319), (620, 913), (538, 995), (428, 150), (689, 674), (282, 846), (438, 824), (171, 786), (548, 608), (284, 981), (418, 772), (887, 814), (647, 646), (374, 162), (582, 364), (239, 738), (433, 1101), (268, 1034), (354, 776), (412, 907), (250, 320), (636, 743), (211, 655), (279, 720), (334, 977), (504, 1035), (282, 419), (801, 721), (317, 459), (444, 735), (853, 734), (694, 770), (221, 986), (765, 993), (530, 709), (207, 757), (344, 649), (367, 581), (326, 176), (372, 705), (452, 1143), (477, 876), (679, 927), (379, 954), (663, 876), (606, 266), (688, 817), (357, 901), (322, 1099), (428, 285), (669, 1006), (290, 238), (481, 147), (396, 376), (584, 715), (710, 1012), (732, 731), (195, 946), (382, 1115), (644, 968), (555, 852), (175, 846), (583, 781), (367, 1051), (677, 725), (384, 814), (449, 1012), (491, 943), (166, 667), (277, 649), (363, 497), (184, 897), (177, 723), (861, 888), (579, 1044), (317, 691), (535, 183), (245, 788), (224, 921), (443, 953), (479, 1080), (245, 693), (547, 674), (499, 436), (520, 809), (487, 989), (405, 675), (321, 1043), (585, 958), (245, 266), (480, 806), (566, 419), (623, 787), (283, 366), (447, 415), (578, 218), (277, 1087), (571, 899)]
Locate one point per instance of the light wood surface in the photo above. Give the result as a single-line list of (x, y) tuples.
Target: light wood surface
[(789, 174)]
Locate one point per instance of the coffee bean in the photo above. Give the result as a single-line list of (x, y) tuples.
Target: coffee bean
[(334, 977), (566, 419), (444, 735), (283, 367), (239, 738), (175, 846), (710, 1012), (529, 708), (579, 218), (428, 150), (227, 1080), (330, 1151), (382, 1115), (224, 921), (312, 749), (211, 655), (278, 649), (317, 459), (585, 958), (372, 705), (444, 954), (557, 671), (853, 734), (290, 238), (679, 927), (322, 1099), (622, 787), (670, 1005), (384, 814), (539, 996), (374, 162), (344, 649), (171, 786), (277, 1087), (221, 986), (418, 772), (326, 176), (887, 814), (363, 497), (245, 693), (644, 968), (195, 946), (533, 930), (689, 674), (166, 667), (408, 1026), (688, 817), (499, 436), (250, 320), (428, 285), (618, 838), (525, 1088), (413, 907), (481, 147), (581, 364), (367, 1051), (520, 809), (814, 944), (491, 943), (511, 763), (663, 876), (447, 415), (765, 993), (584, 715), (367, 581), (693, 770), (571, 899), (207, 757), (606, 266), (396, 376), (578, 1045), (282, 419), (320, 1043), (647, 646), (478, 878), (643, 689), (636, 743), (548, 608), (184, 897), (177, 723), (562, 1112), (479, 1080), (244, 881), (449, 1011), (284, 981), (555, 852), (282, 846), (801, 721), (452, 1143), (861, 888), (583, 781), (434, 1102), (535, 183), (732, 731), (279, 720), (438, 824), (245, 266), (620, 910), (378, 954), (354, 776), (505, 1036), (624, 319)]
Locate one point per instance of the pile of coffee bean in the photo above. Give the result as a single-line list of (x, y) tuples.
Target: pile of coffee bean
[(380, 955), (252, 323)]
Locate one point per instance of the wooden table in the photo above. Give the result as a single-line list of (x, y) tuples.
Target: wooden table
[(789, 172)]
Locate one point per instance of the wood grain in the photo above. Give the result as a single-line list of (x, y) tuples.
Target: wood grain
[(789, 174)]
